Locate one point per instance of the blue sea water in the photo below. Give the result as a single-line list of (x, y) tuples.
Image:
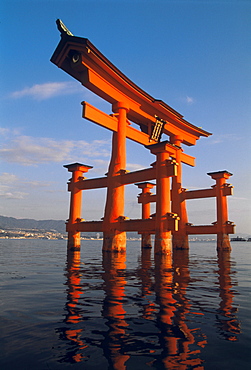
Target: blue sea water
[(133, 311)]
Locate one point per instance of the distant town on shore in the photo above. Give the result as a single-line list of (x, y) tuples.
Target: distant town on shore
[(14, 228)]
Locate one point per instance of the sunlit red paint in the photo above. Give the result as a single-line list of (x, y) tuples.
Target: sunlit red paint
[(170, 225)]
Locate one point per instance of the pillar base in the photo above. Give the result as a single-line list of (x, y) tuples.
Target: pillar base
[(180, 241), (163, 243), (146, 241), (74, 242), (114, 242), (223, 242)]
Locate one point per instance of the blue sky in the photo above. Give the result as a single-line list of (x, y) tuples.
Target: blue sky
[(194, 55)]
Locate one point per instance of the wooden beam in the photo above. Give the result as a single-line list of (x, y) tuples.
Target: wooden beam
[(141, 109), (208, 229), (83, 61), (147, 198), (197, 194), (187, 159), (206, 193), (228, 190), (201, 229), (147, 174), (96, 183), (124, 178), (86, 226), (139, 225), (95, 115)]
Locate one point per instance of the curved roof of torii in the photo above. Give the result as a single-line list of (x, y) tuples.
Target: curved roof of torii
[(82, 60)]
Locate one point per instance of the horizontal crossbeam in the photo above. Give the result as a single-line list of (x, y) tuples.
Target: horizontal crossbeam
[(208, 229), (197, 194), (147, 198), (97, 116), (206, 193), (87, 184), (139, 225), (141, 110), (83, 61), (85, 226), (124, 178)]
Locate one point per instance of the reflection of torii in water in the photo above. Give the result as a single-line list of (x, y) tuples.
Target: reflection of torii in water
[(229, 325), (113, 309), (169, 281), (181, 346), (73, 316)]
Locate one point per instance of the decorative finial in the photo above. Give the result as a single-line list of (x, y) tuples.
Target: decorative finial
[(62, 28)]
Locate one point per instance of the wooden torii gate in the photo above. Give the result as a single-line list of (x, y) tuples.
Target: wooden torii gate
[(83, 61)]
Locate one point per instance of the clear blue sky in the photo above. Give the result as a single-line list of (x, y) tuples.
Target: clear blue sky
[(194, 55)]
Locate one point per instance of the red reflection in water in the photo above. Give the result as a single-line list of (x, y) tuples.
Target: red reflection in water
[(114, 264), (172, 278), (170, 309), (144, 274), (230, 327), (73, 295), (163, 302)]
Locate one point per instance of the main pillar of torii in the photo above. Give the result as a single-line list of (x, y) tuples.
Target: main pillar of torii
[(180, 237), (114, 239), (222, 223)]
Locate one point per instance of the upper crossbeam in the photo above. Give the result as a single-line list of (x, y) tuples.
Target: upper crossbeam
[(82, 60), (97, 116)]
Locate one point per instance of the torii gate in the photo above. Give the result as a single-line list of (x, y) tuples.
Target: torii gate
[(82, 60)]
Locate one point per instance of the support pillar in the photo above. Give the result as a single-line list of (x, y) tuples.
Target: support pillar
[(77, 170), (146, 210), (220, 177), (163, 227), (113, 238), (180, 237)]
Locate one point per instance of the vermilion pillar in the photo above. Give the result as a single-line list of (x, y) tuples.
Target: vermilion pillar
[(180, 237), (222, 211), (77, 170), (163, 242), (114, 239), (144, 199)]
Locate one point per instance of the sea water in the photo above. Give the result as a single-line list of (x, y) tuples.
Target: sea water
[(123, 311)]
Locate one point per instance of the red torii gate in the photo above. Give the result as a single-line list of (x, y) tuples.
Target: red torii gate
[(78, 57)]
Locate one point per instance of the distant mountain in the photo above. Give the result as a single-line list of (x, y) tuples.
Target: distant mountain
[(26, 223), (10, 223)]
